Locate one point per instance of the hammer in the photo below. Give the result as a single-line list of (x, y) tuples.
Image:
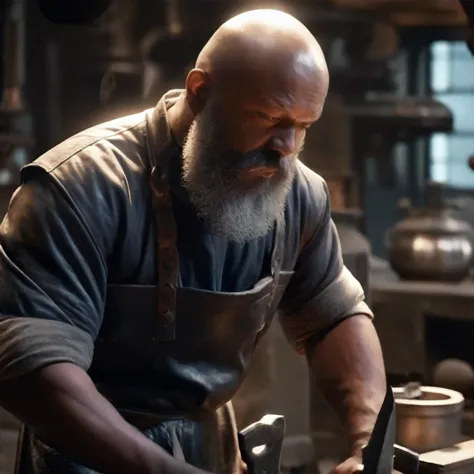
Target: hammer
[(261, 444)]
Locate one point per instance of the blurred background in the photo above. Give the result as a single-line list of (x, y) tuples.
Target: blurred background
[(394, 144)]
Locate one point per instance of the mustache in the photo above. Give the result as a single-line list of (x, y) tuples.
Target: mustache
[(262, 158), (257, 159)]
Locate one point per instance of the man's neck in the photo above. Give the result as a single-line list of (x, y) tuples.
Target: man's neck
[(180, 119)]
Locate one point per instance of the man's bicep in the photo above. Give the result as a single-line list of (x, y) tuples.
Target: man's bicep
[(322, 291), (52, 281)]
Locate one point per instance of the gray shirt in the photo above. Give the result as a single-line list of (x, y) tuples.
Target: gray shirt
[(82, 218)]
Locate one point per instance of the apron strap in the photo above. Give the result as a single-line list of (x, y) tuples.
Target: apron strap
[(276, 261), (167, 259), (278, 247)]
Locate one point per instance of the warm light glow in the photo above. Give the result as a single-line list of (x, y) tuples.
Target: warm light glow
[(277, 17), (423, 245)]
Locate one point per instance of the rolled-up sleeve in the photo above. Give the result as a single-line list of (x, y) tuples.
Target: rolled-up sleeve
[(322, 291), (52, 280)]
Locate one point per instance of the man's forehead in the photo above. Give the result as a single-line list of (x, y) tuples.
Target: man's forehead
[(290, 94), (276, 94), (282, 102), (305, 108)]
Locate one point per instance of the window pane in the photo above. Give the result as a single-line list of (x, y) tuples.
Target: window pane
[(440, 50), (460, 147), (440, 76), (439, 172), (460, 176), (461, 105), (439, 147), (462, 73), (459, 50), (440, 66)]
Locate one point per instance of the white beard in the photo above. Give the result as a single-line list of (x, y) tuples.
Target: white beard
[(227, 206)]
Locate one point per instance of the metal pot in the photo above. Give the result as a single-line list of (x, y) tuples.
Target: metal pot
[(429, 418), (432, 243)]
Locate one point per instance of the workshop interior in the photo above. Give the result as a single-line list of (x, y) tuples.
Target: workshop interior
[(395, 145)]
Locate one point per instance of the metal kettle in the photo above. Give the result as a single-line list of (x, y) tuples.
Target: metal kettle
[(431, 243)]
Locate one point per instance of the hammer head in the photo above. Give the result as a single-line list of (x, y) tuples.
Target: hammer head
[(261, 444)]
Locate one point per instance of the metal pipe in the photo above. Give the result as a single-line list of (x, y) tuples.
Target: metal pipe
[(14, 57)]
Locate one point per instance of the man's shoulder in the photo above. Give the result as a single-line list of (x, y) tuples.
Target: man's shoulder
[(99, 149), (309, 189), (101, 172), (307, 203), (99, 164)]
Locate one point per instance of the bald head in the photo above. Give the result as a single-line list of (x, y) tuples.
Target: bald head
[(258, 85), (260, 39)]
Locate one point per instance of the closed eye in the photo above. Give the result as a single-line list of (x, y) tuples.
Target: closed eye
[(267, 117)]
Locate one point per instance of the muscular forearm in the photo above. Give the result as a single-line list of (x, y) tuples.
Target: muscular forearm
[(349, 368), (61, 404)]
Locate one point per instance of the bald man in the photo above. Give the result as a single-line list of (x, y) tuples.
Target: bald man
[(142, 260)]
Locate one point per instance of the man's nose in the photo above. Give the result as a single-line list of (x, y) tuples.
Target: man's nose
[(284, 141)]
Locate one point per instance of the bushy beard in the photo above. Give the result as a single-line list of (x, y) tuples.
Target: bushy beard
[(232, 207)]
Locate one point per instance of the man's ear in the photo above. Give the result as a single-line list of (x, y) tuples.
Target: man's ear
[(197, 90)]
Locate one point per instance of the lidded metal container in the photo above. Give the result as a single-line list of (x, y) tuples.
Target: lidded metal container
[(431, 243)]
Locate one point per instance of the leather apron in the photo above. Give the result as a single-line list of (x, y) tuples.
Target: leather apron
[(170, 358)]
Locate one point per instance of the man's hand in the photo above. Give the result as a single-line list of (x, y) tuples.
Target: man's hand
[(350, 466)]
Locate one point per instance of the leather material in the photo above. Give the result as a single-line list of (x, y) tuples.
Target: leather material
[(200, 369), (178, 352)]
